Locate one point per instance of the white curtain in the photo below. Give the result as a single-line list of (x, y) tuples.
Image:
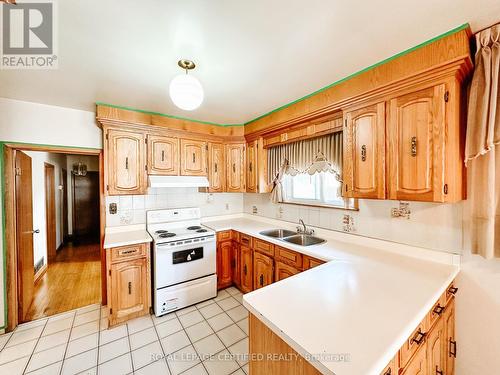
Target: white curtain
[(482, 146)]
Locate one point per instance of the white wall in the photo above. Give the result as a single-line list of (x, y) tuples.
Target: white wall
[(43, 124)]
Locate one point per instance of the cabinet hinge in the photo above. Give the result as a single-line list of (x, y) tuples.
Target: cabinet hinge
[(446, 96), (445, 189)]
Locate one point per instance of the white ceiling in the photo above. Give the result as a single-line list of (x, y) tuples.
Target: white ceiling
[(252, 56)]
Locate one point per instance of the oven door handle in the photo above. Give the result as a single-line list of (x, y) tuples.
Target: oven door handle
[(166, 246)]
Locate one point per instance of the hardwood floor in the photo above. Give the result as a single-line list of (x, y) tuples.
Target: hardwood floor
[(72, 280)]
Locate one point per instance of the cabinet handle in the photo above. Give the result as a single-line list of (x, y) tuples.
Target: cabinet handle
[(215, 168), (438, 309), (438, 372), (363, 153), (234, 168), (419, 337), (250, 167), (245, 269), (163, 155), (261, 280), (194, 158), (129, 287), (413, 146), (126, 162), (453, 290), (388, 372), (453, 349)]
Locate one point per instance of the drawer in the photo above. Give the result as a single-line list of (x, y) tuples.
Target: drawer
[(438, 309), (310, 262), (416, 341), (246, 240), (224, 235), (128, 252), (451, 291), (263, 247), (235, 236), (288, 256)]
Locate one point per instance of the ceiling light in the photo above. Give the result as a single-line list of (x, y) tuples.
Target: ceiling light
[(185, 90)]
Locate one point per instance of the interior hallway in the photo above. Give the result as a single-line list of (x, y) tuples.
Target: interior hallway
[(71, 281)]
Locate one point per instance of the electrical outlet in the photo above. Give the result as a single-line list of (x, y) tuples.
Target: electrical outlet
[(348, 223), (254, 210), (403, 211), (113, 208)]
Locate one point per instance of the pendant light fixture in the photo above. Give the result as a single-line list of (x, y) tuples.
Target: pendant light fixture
[(185, 90)]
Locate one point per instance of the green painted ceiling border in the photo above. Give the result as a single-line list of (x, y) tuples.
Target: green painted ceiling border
[(441, 36)]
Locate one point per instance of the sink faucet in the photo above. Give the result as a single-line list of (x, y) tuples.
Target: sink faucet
[(304, 229)]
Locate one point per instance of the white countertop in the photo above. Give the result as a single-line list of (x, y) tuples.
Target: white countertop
[(125, 237), (365, 302)]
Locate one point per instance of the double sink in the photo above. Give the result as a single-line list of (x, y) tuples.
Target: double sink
[(295, 238)]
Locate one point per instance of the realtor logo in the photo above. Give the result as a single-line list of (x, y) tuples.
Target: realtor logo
[(28, 36)]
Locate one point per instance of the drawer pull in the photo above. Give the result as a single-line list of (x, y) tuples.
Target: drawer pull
[(261, 280), (439, 372), (162, 155), (419, 337), (453, 290), (194, 158), (128, 252), (453, 349), (438, 310), (129, 287), (363, 153), (126, 162), (414, 146)]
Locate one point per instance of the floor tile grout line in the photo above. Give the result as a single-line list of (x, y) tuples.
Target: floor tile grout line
[(67, 344), (31, 355), (161, 346), (99, 340), (192, 344)]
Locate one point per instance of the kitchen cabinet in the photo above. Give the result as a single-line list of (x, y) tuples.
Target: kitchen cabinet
[(246, 268), (364, 152), (418, 364), (290, 257), (283, 270), (193, 157), (128, 282), (125, 166), (392, 368), (435, 342), (216, 168), (163, 155), (263, 247), (224, 264), (235, 168), (450, 343), (310, 262), (252, 178), (236, 264), (263, 270)]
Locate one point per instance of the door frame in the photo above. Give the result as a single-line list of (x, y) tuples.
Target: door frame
[(50, 201), (7, 162)]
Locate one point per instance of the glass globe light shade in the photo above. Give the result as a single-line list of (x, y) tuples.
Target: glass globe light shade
[(186, 92)]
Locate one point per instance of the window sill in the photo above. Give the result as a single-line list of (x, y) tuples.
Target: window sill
[(319, 205)]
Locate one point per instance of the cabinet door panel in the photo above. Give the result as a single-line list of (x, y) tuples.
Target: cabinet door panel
[(193, 158), (224, 261), (418, 364), (450, 343), (246, 269), (236, 264), (216, 167), (283, 271), (435, 344), (416, 145), (262, 270), (235, 163), (364, 156), (163, 155), (252, 167), (126, 162)]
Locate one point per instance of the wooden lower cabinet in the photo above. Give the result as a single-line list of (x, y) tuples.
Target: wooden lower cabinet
[(224, 264), (435, 344), (282, 271), (246, 269), (418, 364), (450, 343), (129, 282), (310, 262), (263, 270), (236, 264)]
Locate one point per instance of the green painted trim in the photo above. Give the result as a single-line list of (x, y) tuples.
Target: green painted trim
[(164, 115), (4, 238), (453, 31)]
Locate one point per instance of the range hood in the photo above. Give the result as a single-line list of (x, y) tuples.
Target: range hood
[(178, 181)]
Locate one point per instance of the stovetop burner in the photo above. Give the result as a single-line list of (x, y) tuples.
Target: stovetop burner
[(161, 231), (201, 231), (166, 235), (194, 227)]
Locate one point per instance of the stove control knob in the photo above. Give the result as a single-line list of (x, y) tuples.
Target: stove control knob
[(189, 257)]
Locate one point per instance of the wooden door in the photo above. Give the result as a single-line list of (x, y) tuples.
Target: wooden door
[(450, 344), (283, 271), (224, 261), (65, 216), (129, 289), (418, 364), (364, 152), (236, 263), (416, 132), (193, 157), (126, 166), (235, 168), (216, 167), (252, 180), (435, 343), (262, 270), (50, 211), (163, 155), (86, 217), (24, 234), (246, 269)]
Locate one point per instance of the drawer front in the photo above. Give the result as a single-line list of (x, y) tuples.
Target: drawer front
[(263, 247), (235, 236), (415, 342), (310, 262), (246, 240), (224, 235), (451, 292), (289, 256), (438, 309), (128, 252)]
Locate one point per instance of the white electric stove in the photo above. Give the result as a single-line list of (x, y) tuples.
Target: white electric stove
[(184, 259)]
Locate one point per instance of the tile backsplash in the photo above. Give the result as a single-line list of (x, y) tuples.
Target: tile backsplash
[(131, 209)]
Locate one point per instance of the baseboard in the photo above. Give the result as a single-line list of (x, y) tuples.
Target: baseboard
[(40, 273)]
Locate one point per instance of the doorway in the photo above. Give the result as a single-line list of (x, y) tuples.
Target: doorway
[(54, 256)]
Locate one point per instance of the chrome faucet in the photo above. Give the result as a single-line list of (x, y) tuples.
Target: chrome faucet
[(303, 229)]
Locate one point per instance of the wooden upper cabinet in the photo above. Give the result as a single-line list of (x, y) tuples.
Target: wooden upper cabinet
[(216, 168), (125, 162), (416, 136), (163, 155), (252, 167), (235, 168), (193, 157), (364, 152)]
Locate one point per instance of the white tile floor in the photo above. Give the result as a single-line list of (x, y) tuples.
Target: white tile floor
[(209, 338)]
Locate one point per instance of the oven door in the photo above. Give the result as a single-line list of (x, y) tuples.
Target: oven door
[(177, 264)]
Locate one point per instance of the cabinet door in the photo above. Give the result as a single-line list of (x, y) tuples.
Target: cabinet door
[(418, 364), (235, 168), (416, 132), (283, 271), (364, 155), (216, 166), (246, 269), (252, 167), (126, 166), (450, 345), (262, 270), (193, 158), (309, 262), (236, 263), (224, 261), (129, 289), (163, 155), (435, 344)]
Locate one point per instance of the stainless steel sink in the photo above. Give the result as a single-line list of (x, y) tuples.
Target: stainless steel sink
[(304, 240), (278, 233)]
